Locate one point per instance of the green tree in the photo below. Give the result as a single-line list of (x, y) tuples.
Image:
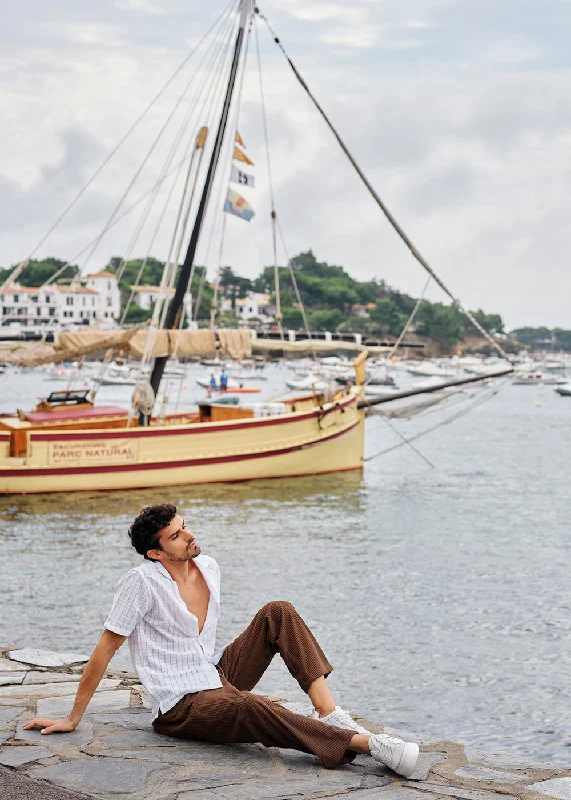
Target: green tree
[(38, 272), (531, 336), (387, 316), (135, 314), (492, 323), (439, 322), (325, 319)]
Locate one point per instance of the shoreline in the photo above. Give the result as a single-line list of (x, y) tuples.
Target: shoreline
[(114, 753)]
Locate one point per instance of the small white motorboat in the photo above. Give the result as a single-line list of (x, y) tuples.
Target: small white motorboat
[(564, 389)]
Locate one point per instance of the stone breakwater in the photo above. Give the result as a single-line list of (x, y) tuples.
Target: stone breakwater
[(114, 753)]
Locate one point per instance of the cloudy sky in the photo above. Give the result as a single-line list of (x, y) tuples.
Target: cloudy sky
[(458, 110)]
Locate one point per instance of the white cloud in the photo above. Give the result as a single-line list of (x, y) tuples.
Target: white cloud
[(462, 121)]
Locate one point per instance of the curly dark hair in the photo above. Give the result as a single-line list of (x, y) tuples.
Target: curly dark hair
[(144, 530)]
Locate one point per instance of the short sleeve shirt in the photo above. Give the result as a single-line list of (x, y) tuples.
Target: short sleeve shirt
[(171, 657)]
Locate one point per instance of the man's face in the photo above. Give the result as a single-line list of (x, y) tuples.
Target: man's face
[(177, 542)]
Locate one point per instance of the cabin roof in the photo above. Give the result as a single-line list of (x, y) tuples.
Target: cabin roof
[(103, 273)]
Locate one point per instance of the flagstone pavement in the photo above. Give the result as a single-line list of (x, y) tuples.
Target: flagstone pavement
[(114, 753)]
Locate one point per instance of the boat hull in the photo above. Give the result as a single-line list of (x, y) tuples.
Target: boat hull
[(309, 442)]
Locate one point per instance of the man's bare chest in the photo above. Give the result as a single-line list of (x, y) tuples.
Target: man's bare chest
[(196, 596)]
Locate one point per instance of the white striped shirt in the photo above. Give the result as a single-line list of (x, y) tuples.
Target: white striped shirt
[(169, 654)]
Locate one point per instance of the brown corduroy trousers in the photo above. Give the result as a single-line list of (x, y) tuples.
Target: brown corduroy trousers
[(233, 714)]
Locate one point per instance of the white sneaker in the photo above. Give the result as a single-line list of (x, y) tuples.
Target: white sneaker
[(341, 719), (400, 756)]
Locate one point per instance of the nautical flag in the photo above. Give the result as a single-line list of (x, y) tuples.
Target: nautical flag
[(240, 141), (242, 178), (240, 156), (237, 205)]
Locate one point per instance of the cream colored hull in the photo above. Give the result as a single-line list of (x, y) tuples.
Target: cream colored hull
[(306, 443)]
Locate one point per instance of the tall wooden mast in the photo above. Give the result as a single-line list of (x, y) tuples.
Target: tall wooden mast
[(175, 308)]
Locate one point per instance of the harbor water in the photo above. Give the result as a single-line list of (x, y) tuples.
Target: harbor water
[(441, 595)]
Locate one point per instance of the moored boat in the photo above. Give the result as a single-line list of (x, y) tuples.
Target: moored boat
[(76, 446)]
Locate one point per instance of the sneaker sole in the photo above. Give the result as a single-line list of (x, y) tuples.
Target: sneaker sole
[(408, 761)]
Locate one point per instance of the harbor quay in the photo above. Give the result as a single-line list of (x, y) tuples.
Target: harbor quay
[(114, 753)]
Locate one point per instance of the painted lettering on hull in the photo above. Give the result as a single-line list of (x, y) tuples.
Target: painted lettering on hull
[(111, 451)]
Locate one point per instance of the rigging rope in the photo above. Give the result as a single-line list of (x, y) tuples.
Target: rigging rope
[(296, 288), (273, 213), (173, 260), (190, 150), (392, 220), (168, 271), (447, 421), (124, 138), (223, 187), (138, 171), (92, 246), (410, 320)]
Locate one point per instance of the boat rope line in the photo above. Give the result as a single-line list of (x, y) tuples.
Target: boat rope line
[(218, 216), (92, 246), (211, 87), (295, 286), (388, 214), (273, 213), (140, 168), (408, 442), (126, 135), (191, 147), (214, 51), (427, 407), (173, 261), (410, 320), (452, 418)]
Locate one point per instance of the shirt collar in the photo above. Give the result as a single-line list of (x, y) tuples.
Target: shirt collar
[(199, 561)]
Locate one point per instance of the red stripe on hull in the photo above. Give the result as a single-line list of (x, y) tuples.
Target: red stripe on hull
[(196, 428), (197, 462)]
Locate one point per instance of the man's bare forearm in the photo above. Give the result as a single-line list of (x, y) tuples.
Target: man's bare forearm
[(94, 671)]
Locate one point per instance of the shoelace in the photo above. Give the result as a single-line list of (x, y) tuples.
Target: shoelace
[(386, 746)]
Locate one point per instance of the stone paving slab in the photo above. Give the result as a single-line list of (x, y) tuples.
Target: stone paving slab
[(490, 775), (102, 778), (9, 666), (425, 763), (512, 760), (17, 786), (50, 677), (81, 736), (454, 791), (11, 678), (101, 701), (53, 689), (115, 755), (556, 787), (7, 715), (19, 756), (138, 738), (133, 720), (11, 701), (46, 658)]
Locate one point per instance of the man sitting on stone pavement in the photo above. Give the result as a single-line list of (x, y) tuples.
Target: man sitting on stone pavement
[(168, 608)]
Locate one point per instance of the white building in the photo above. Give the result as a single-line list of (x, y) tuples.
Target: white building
[(106, 286), (256, 306), (94, 300), (146, 296)]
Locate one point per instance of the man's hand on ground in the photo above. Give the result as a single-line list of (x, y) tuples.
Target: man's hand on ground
[(51, 725)]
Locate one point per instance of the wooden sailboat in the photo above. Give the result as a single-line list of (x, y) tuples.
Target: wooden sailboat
[(70, 444)]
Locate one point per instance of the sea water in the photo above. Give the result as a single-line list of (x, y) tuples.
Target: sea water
[(440, 595)]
